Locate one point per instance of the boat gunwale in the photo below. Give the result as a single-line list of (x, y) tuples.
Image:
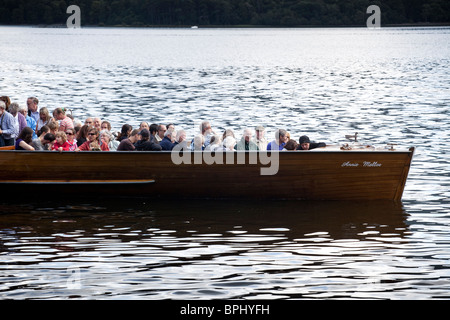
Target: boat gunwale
[(410, 150)]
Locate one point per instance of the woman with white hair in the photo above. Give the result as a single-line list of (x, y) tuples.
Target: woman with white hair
[(6, 126), (31, 122), (108, 137), (19, 120), (180, 140)]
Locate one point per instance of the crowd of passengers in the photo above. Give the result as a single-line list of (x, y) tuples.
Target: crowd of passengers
[(32, 128)]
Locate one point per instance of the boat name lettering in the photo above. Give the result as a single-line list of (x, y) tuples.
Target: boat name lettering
[(371, 164), (364, 164), (349, 164)]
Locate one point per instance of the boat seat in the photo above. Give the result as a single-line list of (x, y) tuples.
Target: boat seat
[(8, 148)]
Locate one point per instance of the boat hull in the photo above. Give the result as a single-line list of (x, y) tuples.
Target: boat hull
[(324, 175)]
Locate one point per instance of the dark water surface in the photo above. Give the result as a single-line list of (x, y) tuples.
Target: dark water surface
[(223, 250), (390, 85)]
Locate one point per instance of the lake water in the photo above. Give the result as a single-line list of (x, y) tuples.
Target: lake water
[(390, 85)]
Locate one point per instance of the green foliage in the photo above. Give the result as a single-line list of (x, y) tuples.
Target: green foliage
[(224, 12)]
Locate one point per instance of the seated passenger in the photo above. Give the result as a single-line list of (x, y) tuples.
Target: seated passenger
[(31, 122), (226, 133), (70, 133), (44, 118), (43, 131), (229, 143), (64, 121), (246, 142), (106, 125), (89, 121), (6, 100), (281, 137), (144, 144), (25, 139), (180, 140), (54, 126), (153, 132), (207, 132), (98, 123), (291, 145), (125, 132), (198, 143), (82, 135), (168, 142), (215, 144), (7, 126), (170, 126), (44, 141), (61, 143), (76, 126), (144, 125), (19, 120), (260, 140), (93, 142), (108, 138), (128, 143), (161, 131), (306, 144)]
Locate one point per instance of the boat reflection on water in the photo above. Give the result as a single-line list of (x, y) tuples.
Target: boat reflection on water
[(292, 219), (207, 249)]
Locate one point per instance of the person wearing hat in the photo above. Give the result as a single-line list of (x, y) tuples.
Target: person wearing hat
[(306, 144), (145, 144), (259, 139)]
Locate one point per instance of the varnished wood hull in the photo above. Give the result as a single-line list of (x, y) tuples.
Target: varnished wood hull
[(325, 175)]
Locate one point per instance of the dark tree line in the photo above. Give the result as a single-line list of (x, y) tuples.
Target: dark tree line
[(223, 12)]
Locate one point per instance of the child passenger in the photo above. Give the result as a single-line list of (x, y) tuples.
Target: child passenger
[(61, 143), (70, 133)]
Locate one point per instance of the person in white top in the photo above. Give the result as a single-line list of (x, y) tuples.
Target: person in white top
[(19, 121), (44, 118)]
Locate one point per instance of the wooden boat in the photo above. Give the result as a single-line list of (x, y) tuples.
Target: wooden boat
[(321, 174)]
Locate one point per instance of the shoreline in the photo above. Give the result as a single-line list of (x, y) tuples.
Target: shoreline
[(404, 25)]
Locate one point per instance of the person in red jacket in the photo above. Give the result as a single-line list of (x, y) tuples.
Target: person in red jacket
[(93, 142), (61, 143)]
